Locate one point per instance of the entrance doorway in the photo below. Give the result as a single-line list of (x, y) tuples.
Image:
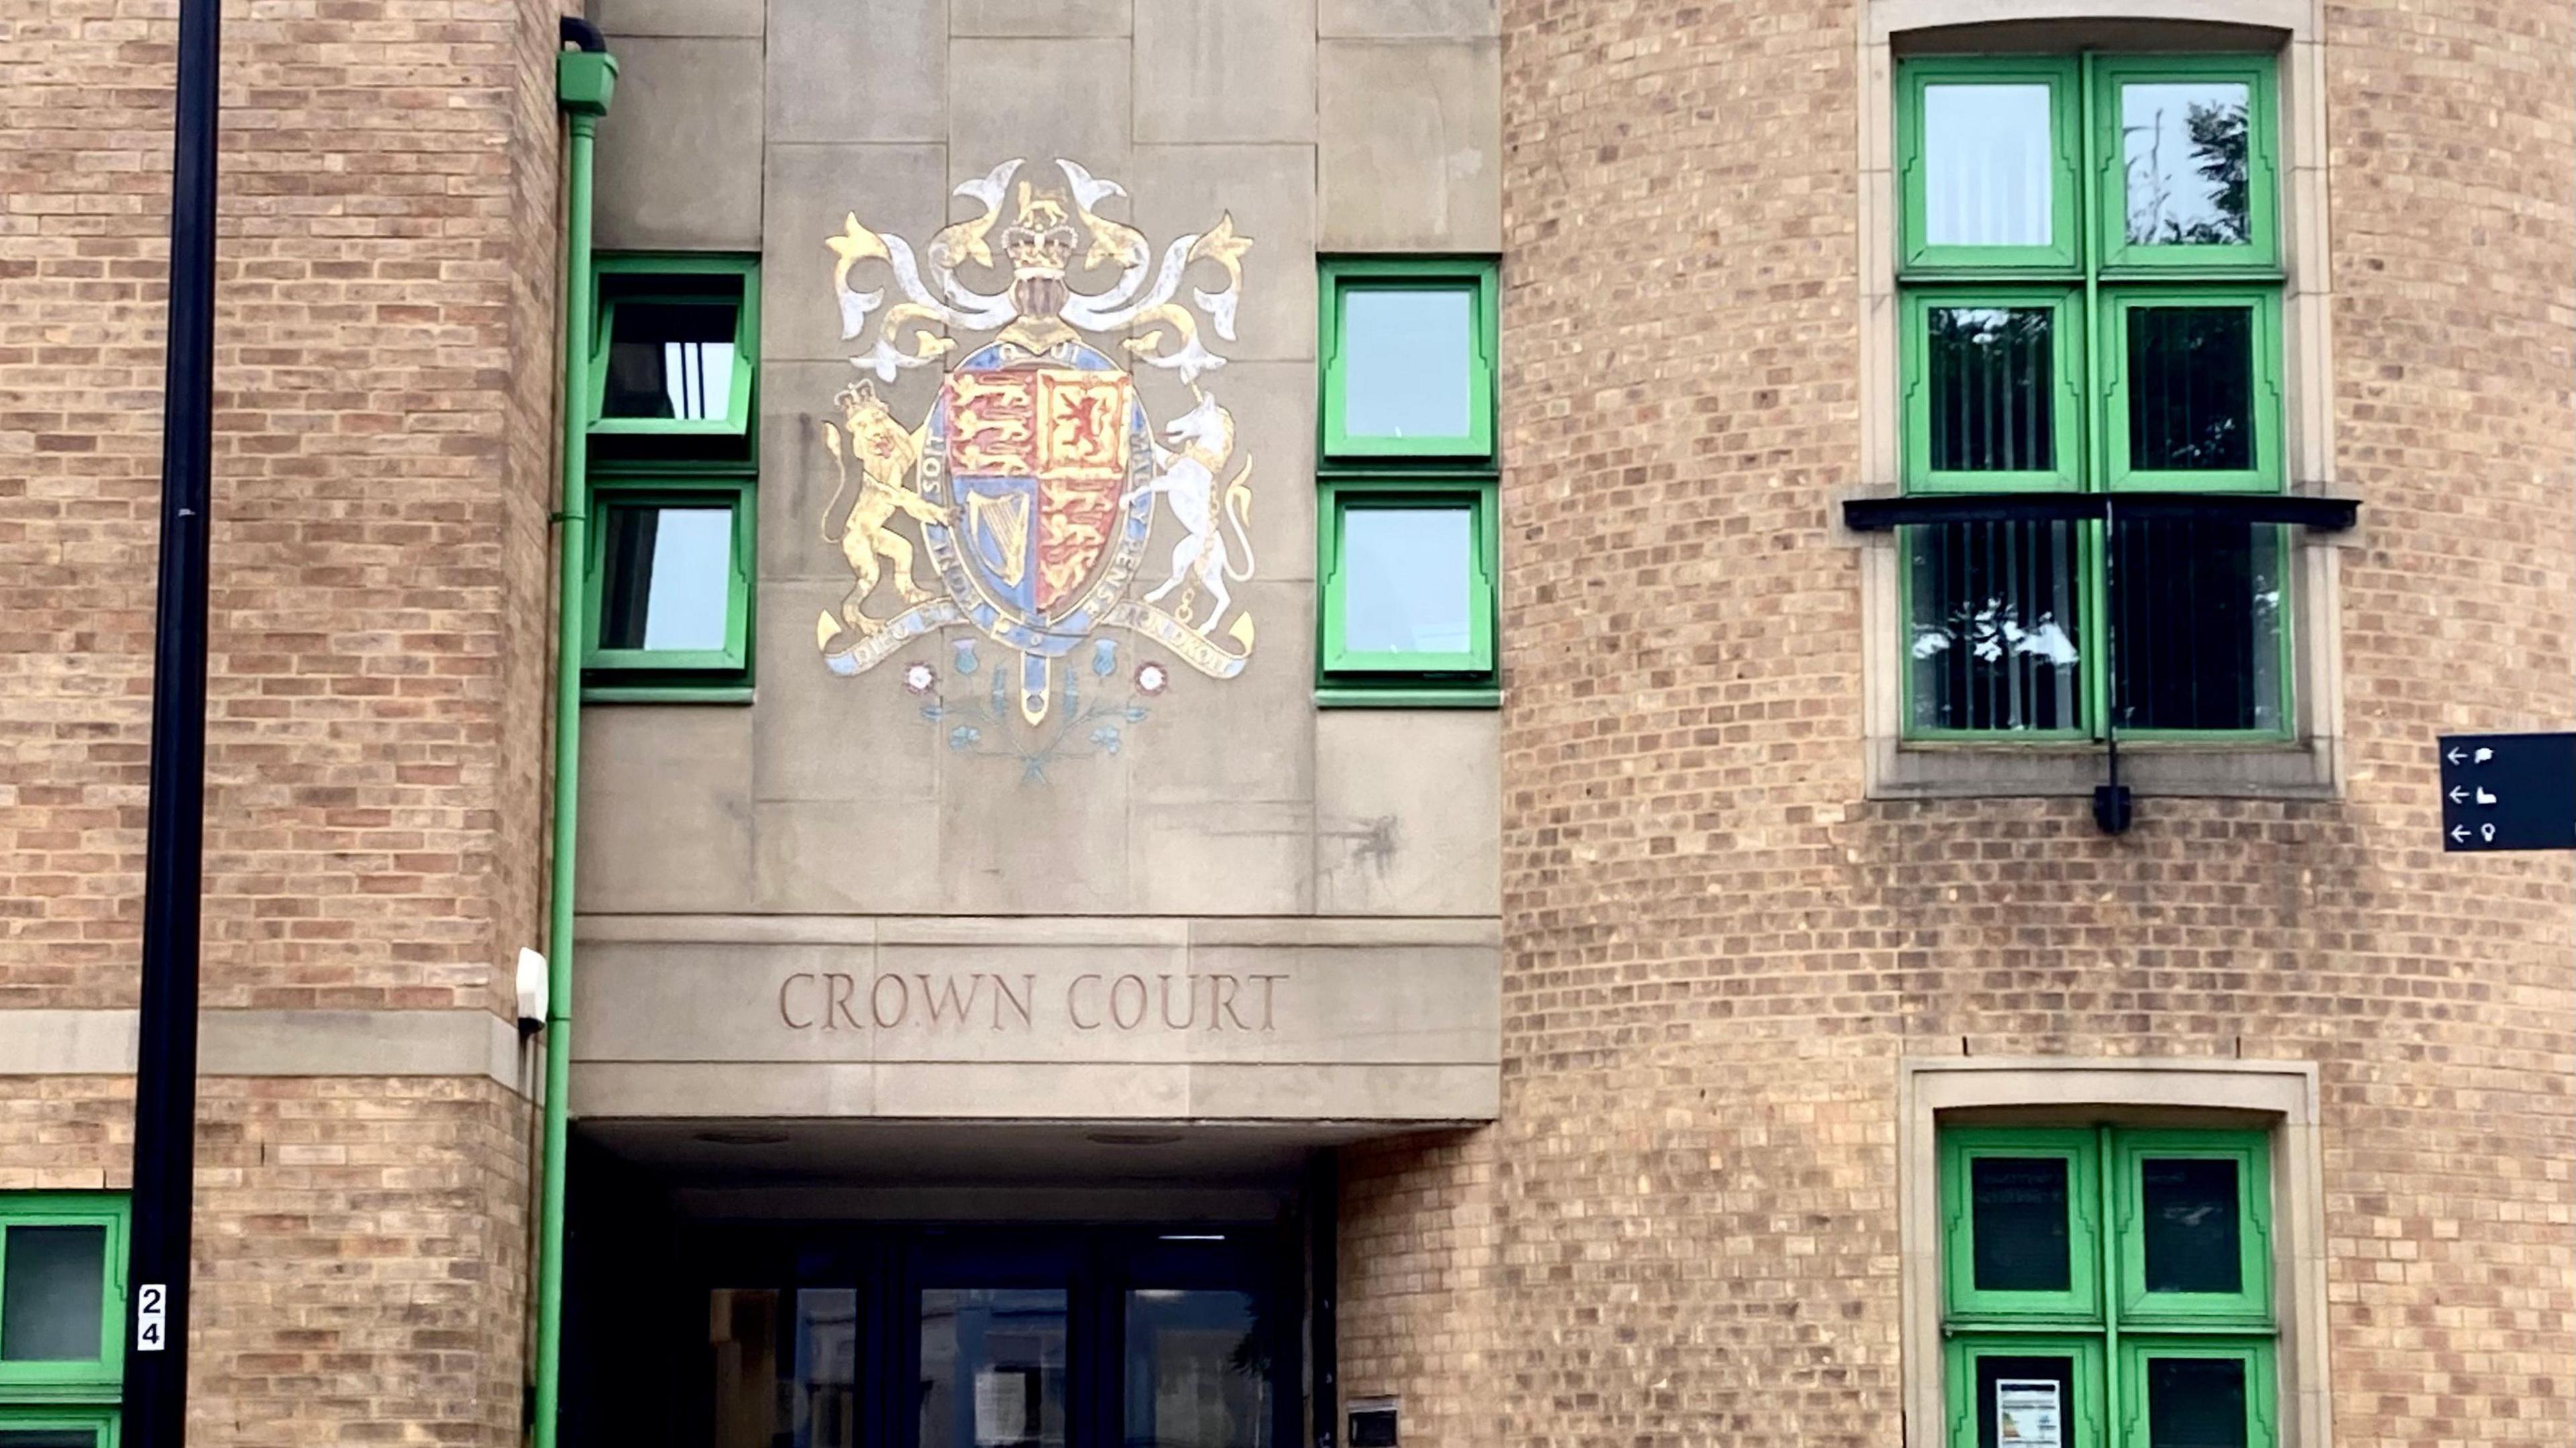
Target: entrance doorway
[(1027, 1336)]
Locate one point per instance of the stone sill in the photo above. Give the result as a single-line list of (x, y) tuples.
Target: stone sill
[(2304, 771)]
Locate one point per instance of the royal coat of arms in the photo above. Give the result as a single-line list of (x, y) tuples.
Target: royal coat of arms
[(1035, 476)]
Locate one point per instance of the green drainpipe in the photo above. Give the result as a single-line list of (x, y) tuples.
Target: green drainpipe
[(585, 79)]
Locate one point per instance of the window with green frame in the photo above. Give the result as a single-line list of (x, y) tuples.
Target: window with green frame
[(2091, 302), (2107, 1288), (1406, 536), (673, 515), (62, 1318)]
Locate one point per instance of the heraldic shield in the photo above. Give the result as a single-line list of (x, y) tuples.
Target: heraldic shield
[(1037, 477), (1044, 466)]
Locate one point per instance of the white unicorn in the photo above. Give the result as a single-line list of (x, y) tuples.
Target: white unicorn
[(1203, 441)]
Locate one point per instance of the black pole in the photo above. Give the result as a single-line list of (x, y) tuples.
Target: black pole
[(165, 1076)]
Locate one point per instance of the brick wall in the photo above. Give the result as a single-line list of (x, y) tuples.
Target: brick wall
[(1718, 950), (380, 651)]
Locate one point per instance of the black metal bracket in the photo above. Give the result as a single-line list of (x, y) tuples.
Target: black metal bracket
[(2317, 515)]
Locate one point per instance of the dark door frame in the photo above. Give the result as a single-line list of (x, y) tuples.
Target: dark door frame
[(888, 1264)]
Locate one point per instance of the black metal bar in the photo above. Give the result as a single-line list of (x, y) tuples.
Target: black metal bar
[(2317, 515), (165, 1081), (1324, 1266)]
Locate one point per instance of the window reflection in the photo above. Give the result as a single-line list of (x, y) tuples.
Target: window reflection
[(779, 1385), (55, 1293), (1993, 403), (1405, 580), (992, 1368), (668, 577), (1406, 359), (2185, 145), (670, 360), (2191, 388), (2020, 1206), (1994, 628), (2197, 621), (1198, 1374), (1987, 165), (2196, 1402)]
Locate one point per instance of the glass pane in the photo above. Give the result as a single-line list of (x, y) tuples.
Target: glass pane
[(670, 360), (1992, 396), (1987, 165), (795, 1394), (2191, 389), (1406, 360), (2195, 1402), (992, 1367), (1991, 643), (1406, 580), (2017, 1207), (48, 1438), (668, 583), (2184, 146), (2022, 1401), (1198, 1371), (2190, 1234), (2197, 618), (53, 1295)]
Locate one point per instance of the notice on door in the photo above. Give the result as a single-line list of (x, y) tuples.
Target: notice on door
[(1002, 1406), (2027, 1413)]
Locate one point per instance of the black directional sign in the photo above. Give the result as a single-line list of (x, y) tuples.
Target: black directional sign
[(2508, 791)]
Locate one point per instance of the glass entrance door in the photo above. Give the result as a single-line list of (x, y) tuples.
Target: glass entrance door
[(1001, 1337)]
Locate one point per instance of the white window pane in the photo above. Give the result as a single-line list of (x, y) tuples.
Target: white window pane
[(669, 582), (698, 378), (1406, 357), (1406, 580), (1986, 165), (52, 1297), (692, 579)]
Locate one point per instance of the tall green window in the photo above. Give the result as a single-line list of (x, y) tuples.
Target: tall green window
[(62, 1318), (2091, 302), (2107, 1288), (1407, 542), (674, 361)]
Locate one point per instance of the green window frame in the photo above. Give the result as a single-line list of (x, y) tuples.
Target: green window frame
[(638, 279), (2095, 283), (2079, 1150), (710, 461), (2261, 251), (643, 674), (1344, 277), (2112, 1331), (2251, 1156), (1342, 497), (50, 1386), (2140, 1355), (2083, 1418), (2059, 74), (100, 1423), (2263, 373), (1356, 473), (2066, 350)]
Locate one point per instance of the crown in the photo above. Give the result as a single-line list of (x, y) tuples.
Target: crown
[(1040, 242)]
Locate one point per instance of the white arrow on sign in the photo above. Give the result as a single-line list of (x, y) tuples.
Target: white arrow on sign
[(2459, 795), (2459, 834), (2455, 756)]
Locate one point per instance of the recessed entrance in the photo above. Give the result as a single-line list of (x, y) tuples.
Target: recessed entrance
[(1019, 1336)]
